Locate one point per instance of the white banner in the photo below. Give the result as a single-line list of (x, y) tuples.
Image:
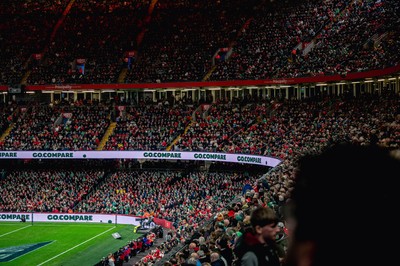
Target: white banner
[(70, 218), (164, 155)]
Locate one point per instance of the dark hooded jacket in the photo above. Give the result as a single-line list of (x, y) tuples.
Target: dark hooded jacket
[(248, 244)]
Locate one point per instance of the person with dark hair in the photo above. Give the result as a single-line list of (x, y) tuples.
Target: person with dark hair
[(257, 246), (224, 249), (341, 200)]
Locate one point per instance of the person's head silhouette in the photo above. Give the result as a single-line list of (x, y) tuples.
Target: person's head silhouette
[(341, 205)]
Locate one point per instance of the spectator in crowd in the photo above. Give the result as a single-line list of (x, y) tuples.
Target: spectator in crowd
[(111, 259), (340, 196), (225, 251), (258, 247), (217, 260)]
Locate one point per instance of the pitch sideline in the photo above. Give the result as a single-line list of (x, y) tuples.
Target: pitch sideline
[(15, 230), (76, 246)]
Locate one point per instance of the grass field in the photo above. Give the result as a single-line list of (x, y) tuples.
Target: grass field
[(57, 244)]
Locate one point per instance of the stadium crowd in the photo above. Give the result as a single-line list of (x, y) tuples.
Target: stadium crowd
[(99, 42), (285, 130)]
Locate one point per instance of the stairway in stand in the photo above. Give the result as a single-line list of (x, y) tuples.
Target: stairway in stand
[(122, 75), (177, 138), (6, 132), (108, 133)]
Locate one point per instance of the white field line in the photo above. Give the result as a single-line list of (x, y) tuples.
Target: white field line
[(76, 246), (64, 225), (60, 224), (15, 230)]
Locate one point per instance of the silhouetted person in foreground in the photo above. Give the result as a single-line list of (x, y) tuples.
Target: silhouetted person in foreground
[(344, 207)]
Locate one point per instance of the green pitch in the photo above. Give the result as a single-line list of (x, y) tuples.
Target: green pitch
[(57, 244)]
